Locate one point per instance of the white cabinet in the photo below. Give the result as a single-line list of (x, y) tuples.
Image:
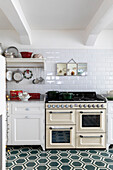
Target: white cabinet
[(26, 123), (26, 129), (110, 124), (110, 128)]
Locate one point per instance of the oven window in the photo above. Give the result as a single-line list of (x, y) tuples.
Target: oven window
[(60, 136), (90, 120)]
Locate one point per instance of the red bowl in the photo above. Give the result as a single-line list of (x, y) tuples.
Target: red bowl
[(26, 54), (34, 95)]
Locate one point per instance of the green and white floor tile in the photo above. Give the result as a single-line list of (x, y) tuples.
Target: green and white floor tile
[(28, 158)]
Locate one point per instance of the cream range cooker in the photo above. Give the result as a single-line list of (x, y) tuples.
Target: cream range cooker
[(79, 122)]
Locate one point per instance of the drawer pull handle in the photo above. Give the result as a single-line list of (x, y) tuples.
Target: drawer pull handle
[(91, 112), (91, 136), (61, 128), (27, 109), (60, 112), (26, 117)]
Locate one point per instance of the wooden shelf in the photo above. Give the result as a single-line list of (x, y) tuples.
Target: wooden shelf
[(25, 62)]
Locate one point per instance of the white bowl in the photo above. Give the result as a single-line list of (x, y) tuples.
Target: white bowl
[(24, 98)]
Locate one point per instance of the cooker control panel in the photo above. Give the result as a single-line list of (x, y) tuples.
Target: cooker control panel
[(75, 105)]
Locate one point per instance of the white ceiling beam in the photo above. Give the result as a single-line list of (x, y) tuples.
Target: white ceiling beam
[(102, 18), (12, 10)]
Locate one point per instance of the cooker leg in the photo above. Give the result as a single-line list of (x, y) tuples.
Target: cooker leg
[(43, 147), (107, 147)]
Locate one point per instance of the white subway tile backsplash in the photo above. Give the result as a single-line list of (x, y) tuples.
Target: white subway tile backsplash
[(99, 77)]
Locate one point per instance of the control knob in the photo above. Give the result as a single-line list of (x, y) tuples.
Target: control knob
[(66, 106), (89, 105), (58, 106), (93, 105), (62, 105), (85, 105), (53, 106), (102, 105), (97, 105), (80, 105), (71, 105), (49, 106), (76, 105)]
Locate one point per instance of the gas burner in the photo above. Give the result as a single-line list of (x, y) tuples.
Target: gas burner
[(82, 97)]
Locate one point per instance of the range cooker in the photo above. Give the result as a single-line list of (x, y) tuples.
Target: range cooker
[(75, 121)]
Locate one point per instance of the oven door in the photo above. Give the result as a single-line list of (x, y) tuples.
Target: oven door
[(60, 137), (60, 116), (89, 120)]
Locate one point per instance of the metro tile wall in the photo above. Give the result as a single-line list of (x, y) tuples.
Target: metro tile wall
[(99, 78)]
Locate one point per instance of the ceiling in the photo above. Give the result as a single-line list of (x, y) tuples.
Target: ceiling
[(59, 14), (4, 22), (92, 16), (55, 14)]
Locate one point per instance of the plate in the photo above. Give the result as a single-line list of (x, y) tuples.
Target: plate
[(9, 75), (12, 50), (18, 75)]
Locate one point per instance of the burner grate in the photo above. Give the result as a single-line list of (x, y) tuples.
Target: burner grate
[(78, 96)]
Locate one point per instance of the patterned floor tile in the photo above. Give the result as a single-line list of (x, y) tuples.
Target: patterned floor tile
[(31, 158), (65, 167), (90, 167), (96, 157), (22, 161), (41, 167), (100, 164)]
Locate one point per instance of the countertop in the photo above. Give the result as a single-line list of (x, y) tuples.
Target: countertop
[(42, 99)]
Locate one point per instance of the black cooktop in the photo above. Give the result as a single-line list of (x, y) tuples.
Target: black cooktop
[(56, 96)]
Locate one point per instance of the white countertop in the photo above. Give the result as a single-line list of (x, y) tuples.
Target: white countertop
[(42, 99)]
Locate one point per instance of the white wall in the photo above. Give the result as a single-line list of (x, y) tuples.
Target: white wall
[(99, 78)]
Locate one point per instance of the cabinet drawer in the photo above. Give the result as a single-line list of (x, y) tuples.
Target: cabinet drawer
[(28, 108), (60, 116), (90, 140)]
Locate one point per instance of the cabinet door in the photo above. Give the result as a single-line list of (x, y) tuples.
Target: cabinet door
[(27, 130), (110, 128)]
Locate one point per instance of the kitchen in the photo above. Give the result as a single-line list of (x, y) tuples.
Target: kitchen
[(57, 43)]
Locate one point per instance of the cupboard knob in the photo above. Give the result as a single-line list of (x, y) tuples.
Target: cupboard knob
[(27, 109)]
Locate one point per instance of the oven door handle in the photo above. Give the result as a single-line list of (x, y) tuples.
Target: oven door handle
[(91, 136), (91, 112), (60, 112), (61, 128)]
